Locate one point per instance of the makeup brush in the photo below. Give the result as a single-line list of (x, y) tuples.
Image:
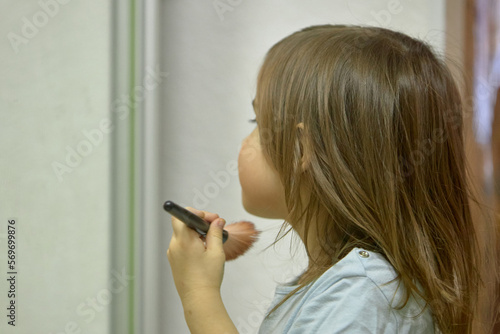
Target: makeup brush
[(237, 237)]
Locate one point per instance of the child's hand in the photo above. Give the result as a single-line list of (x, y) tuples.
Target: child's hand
[(197, 267)]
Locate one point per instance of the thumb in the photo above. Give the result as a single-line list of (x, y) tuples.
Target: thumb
[(214, 235)]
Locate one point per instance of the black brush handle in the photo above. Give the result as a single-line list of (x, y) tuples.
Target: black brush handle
[(190, 219)]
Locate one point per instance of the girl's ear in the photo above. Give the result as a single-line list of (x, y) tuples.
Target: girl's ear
[(304, 147)]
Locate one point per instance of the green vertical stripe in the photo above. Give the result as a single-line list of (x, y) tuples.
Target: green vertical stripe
[(132, 167)]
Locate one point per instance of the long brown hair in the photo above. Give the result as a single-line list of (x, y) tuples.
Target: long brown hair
[(365, 127)]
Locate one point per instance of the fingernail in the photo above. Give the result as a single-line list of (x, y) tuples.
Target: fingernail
[(221, 222)]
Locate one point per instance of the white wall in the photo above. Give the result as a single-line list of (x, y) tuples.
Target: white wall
[(213, 58), (54, 87)]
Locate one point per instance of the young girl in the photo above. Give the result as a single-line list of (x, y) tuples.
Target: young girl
[(359, 148)]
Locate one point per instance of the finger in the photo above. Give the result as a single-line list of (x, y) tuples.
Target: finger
[(208, 216), (197, 212), (181, 230), (214, 235)]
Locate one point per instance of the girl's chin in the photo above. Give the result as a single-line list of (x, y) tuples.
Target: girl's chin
[(263, 211)]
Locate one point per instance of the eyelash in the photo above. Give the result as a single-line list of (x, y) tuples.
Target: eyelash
[(254, 120)]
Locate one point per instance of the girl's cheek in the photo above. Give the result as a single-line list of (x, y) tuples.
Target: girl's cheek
[(248, 151), (247, 154)]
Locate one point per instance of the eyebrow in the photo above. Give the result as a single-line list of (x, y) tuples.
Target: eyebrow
[(253, 103)]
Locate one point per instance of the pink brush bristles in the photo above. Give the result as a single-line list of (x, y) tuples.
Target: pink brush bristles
[(241, 237)]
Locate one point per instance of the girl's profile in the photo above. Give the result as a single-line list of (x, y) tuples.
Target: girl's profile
[(359, 148)]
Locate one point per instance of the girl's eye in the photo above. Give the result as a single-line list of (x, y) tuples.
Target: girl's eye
[(254, 120)]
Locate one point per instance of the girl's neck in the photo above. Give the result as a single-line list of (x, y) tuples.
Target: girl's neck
[(319, 259)]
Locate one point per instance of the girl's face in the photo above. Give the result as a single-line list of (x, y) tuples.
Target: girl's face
[(263, 194)]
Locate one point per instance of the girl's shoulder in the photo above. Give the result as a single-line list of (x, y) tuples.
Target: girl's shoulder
[(369, 268), (368, 276), (358, 294)]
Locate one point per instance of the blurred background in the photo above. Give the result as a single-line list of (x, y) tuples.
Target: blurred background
[(109, 108)]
